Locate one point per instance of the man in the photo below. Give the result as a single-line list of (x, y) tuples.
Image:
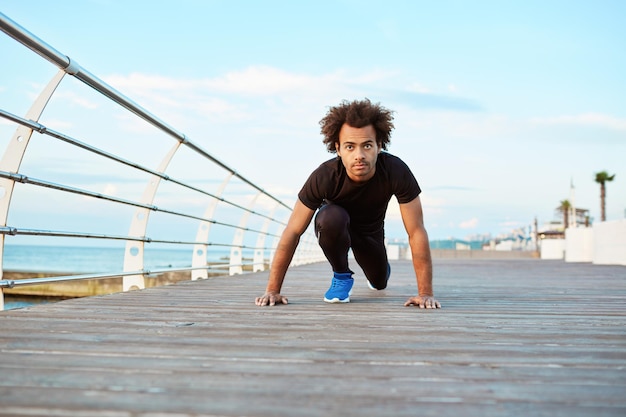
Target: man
[(352, 192)]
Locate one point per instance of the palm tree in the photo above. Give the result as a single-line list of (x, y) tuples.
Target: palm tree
[(564, 210), (602, 178)]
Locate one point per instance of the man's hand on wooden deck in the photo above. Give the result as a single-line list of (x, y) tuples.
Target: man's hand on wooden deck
[(423, 301), (270, 299)]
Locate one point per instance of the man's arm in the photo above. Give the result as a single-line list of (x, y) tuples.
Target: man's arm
[(413, 219), (296, 226)]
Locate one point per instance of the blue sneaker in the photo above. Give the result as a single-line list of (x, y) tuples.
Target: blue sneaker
[(340, 288)]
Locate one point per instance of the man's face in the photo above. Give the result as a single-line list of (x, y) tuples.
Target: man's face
[(359, 151)]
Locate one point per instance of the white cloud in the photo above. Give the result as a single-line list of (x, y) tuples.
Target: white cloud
[(280, 190), (471, 126), (393, 210), (432, 205), (255, 99), (419, 88), (585, 119), (511, 224), (107, 189), (76, 99), (260, 80), (58, 124), (469, 224), (110, 189), (264, 82), (139, 81), (254, 80)]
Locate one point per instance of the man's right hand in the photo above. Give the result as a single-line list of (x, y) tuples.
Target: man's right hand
[(270, 299)]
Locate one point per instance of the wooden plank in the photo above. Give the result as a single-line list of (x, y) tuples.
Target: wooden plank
[(515, 337)]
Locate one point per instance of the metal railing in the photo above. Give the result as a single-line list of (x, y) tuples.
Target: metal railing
[(249, 218)]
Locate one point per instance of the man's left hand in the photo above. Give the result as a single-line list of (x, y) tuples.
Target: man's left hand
[(423, 301)]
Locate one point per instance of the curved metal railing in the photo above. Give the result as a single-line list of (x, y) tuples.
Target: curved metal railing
[(216, 196)]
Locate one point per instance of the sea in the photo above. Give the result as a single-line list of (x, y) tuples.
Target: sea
[(86, 259)]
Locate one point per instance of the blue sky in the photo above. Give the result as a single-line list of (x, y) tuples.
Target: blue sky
[(499, 105)]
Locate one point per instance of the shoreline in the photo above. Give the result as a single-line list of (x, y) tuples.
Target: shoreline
[(29, 295)]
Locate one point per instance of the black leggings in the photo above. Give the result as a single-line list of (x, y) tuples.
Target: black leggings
[(332, 228)]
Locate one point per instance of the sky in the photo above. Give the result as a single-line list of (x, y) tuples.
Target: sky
[(500, 107)]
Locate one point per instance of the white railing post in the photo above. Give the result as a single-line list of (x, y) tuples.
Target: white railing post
[(199, 258), (236, 255), (14, 153), (258, 263), (134, 253)]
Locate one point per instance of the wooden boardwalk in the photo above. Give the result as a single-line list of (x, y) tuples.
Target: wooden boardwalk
[(514, 338)]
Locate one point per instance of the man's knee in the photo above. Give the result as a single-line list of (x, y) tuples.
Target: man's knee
[(332, 219), (379, 285)]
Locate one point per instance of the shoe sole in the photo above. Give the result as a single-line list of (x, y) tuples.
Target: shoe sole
[(337, 300)]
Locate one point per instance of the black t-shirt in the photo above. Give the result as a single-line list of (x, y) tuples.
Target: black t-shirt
[(366, 203)]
